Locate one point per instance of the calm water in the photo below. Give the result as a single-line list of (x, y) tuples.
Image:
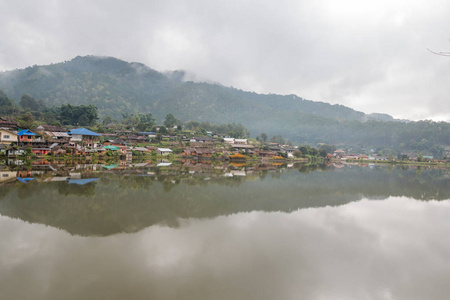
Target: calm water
[(205, 232)]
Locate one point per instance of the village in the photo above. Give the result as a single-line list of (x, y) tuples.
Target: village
[(54, 142)]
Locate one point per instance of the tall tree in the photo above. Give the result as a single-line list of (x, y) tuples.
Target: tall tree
[(7, 106), (29, 103)]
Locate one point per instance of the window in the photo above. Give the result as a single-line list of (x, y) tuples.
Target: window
[(6, 136), (5, 175)]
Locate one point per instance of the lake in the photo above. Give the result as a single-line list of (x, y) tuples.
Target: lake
[(205, 231)]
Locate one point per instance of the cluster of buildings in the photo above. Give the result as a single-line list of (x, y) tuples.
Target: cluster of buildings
[(47, 139)]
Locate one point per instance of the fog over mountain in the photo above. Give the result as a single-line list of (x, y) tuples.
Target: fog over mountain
[(116, 87), (368, 55)]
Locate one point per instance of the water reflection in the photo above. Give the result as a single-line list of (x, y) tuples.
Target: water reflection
[(370, 249), (127, 200)]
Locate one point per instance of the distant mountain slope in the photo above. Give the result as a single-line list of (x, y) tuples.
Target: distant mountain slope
[(116, 87)]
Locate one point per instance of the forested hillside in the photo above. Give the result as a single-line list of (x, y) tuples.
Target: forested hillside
[(117, 87)]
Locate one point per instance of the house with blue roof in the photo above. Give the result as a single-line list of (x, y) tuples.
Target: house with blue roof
[(85, 137), (25, 135)]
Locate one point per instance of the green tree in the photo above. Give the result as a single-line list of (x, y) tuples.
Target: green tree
[(170, 121), (29, 103), (323, 152), (147, 122), (73, 115), (107, 120), (163, 130), (264, 137), (26, 120), (7, 106)]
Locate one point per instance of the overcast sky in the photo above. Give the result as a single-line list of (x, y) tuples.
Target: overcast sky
[(369, 55)]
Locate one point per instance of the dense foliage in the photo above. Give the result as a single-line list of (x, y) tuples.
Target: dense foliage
[(231, 129), (117, 88)]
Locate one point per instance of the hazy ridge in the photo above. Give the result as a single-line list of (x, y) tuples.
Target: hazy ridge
[(116, 86)]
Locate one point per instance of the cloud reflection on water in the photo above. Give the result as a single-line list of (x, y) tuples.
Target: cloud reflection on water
[(392, 249)]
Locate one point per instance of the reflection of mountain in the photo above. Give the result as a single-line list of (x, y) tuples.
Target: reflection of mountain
[(116, 204)]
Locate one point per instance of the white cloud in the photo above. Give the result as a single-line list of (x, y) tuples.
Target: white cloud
[(370, 55), (379, 249)]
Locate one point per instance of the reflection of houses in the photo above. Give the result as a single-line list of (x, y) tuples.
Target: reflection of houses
[(3, 149), (7, 137), (6, 176), (163, 151), (339, 153), (85, 137), (16, 151), (41, 151), (24, 174), (267, 153)]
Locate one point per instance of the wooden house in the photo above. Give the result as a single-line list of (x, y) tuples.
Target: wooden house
[(26, 136), (7, 137), (12, 125), (163, 151), (85, 137), (42, 128), (41, 151)]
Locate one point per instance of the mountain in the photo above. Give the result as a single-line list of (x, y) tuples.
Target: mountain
[(116, 87)]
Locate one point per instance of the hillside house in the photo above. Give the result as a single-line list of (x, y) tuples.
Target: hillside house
[(140, 149), (199, 152), (7, 137), (243, 147), (25, 136), (58, 135), (203, 139), (55, 148), (85, 137), (42, 128), (339, 153), (240, 141), (267, 153), (8, 124), (163, 151), (148, 134), (135, 139)]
